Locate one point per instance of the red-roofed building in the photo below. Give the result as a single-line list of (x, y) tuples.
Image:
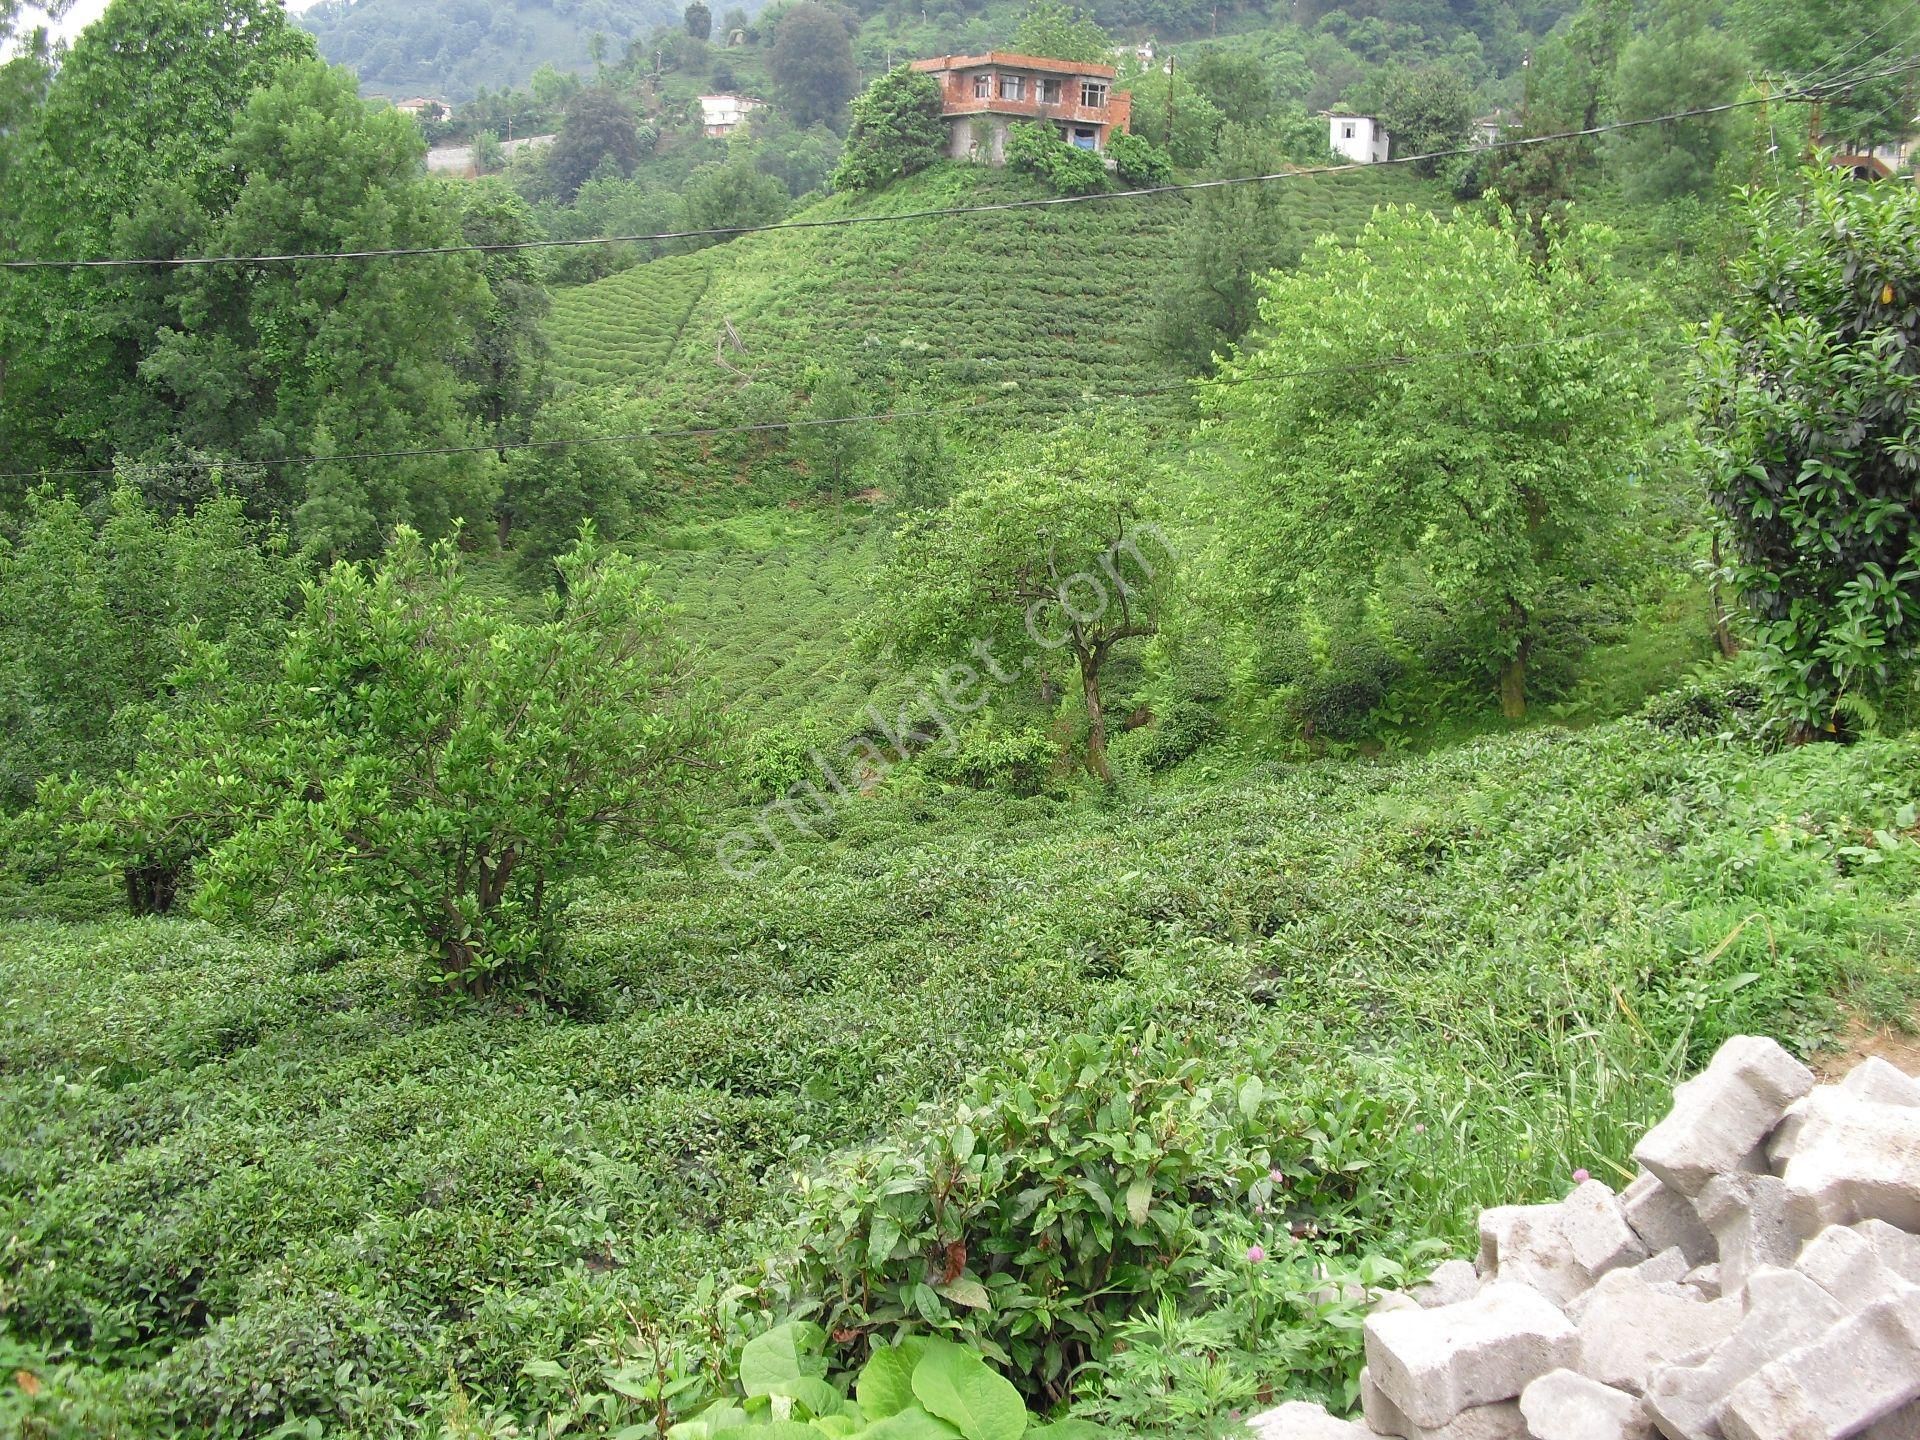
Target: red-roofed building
[(982, 95)]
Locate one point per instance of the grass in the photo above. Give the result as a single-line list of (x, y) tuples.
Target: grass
[(243, 1178)]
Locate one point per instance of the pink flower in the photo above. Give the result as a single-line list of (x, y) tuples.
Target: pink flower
[(1580, 1177), (1256, 1253), (1277, 1176), (1419, 1129)]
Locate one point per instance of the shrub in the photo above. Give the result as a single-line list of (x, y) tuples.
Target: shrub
[(1184, 728), (1037, 150), (897, 131), (1338, 699), (1139, 162), (994, 758)]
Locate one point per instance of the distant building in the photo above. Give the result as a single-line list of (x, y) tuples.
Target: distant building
[(422, 108), (1360, 138), (982, 96), (1488, 128), (458, 159), (721, 115), (1876, 162)]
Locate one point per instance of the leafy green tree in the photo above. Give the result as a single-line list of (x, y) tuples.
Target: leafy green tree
[(599, 128), (1038, 150), (324, 357), (126, 156), (1061, 32), (919, 467), (1826, 38), (488, 155), (95, 619), (1570, 86), (1237, 84), (728, 195), (811, 63), (897, 131), (802, 160), (1680, 62), (699, 19), (1138, 162), (833, 438), (455, 771), (1809, 426), (1426, 109), (1176, 115), (1053, 557), (1432, 395), (573, 474), (1231, 236), (504, 367)]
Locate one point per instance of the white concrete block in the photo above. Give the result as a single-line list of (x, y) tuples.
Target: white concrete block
[(1784, 1309), (1721, 1115), (1664, 1219), (1705, 1279), (1669, 1267), (1747, 1214), (1629, 1328), (1858, 1373), (1596, 1229), (1451, 1282), (1566, 1405), (1527, 1244), (1854, 1160), (1435, 1363), (1861, 1263), (1501, 1420), (1297, 1420), (1882, 1083)]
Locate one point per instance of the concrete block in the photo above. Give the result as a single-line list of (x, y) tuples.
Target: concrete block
[(1566, 1405), (1664, 1219), (1528, 1244), (1669, 1267), (1596, 1230), (1854, 1160), (1747, 1214), (1449, 1284), (1861, 1263), (1858, 1373), (1297, 1420), (1876, 1080), (1433, 1364), (1501, 1420), (1705, 1279), (1393, 1300), (1629, 1328), (1785, 1309), (1722, 1115)]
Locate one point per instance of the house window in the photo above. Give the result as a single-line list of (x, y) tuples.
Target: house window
[(1013, 87), (982, 86), (1346, 132), (1093, 94), (1084, 138), (1050, 91)]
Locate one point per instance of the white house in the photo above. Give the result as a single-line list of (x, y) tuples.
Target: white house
[(1360, 138), (721, 115)]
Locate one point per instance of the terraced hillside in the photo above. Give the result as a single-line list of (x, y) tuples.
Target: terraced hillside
[(1051, 305)]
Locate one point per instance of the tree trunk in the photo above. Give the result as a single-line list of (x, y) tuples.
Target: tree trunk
[(1096, 718), (151, 888), (1513, 686), (1722, 631), (502, 528)]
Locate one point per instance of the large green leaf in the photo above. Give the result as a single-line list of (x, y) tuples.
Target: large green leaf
[(957, 1386), (780, 1357), (885, 1386), (913, 1423), (1067, 1430), (775, 1430)]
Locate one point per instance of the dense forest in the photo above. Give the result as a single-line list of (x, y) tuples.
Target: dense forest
[(681, 785)]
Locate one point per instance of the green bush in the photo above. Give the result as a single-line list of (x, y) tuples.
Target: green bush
[(1038, 150), (1338, 699), (1183, 729), (897, 130), (992, 757), (1138, 161)]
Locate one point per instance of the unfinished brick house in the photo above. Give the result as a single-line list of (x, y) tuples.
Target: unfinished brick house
[(982, 95)]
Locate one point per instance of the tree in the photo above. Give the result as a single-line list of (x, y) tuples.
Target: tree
[(1430, 395), (1176, 116), (1057, 557), (504, 366), (598, 127), (574, 473), (918, 467), (124, 157), (1238, 85), (1824, 38), (811, 63), (1426, 109), (1061, 32), (321, 357), (731, 195), (1138, 162), (94, 622), (699, 19), (833, 437), (1038, 150), (897, 131), (1808, 424), (1680, 62), (455, 771)]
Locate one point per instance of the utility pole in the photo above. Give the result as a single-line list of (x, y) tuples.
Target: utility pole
[(1169, 100)]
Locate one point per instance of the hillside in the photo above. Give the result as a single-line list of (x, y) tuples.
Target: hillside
[(1051, 308), (452, 49)]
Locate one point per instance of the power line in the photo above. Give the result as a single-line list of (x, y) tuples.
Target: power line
[(1393, 362), (1807, 93)]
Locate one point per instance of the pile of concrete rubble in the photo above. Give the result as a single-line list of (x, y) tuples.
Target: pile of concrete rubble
[(1760, 1280)]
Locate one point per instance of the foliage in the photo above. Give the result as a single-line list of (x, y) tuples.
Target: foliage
[(1060, 31), (897, 130), (457, 772), (1426, 109), (730, 196), (584, 466), (1499, 465), (1037, 150), (1680, 62), (1056, 556), (94, 620), (1139, 162), (1178, 117), (698, 18), (1237, 84), (506, 366), (811, 62), (1819, 37), (829, 437), (1808, 425), (599, 128)]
